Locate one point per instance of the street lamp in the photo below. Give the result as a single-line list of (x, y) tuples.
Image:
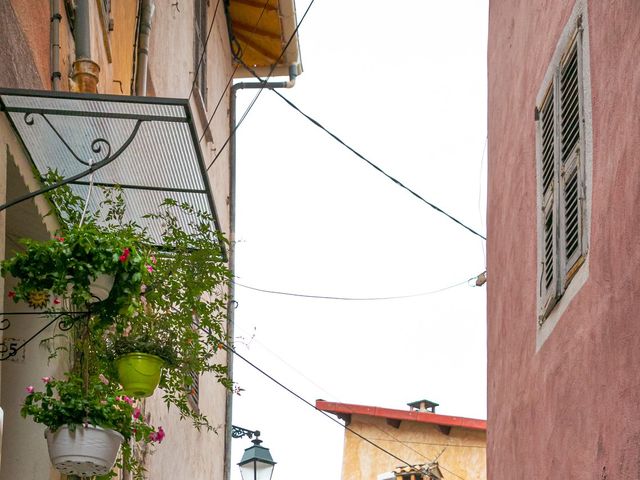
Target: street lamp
[(257, 462)]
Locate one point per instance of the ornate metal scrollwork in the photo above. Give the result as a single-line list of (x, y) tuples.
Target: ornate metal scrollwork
[(96, 146), (239, 432), (66, 321)]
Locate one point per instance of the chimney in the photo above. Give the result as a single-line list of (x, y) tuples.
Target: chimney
[(423, 406)]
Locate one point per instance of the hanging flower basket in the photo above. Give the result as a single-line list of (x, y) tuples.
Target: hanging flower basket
[(139, 373), (101, 287), (83, 451)]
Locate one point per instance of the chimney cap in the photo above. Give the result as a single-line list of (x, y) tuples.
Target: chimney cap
[(423, 405)]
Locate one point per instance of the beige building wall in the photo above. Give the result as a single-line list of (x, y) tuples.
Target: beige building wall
[(461, 453), (185, 453)]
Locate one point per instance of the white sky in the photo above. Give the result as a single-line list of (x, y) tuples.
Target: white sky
[(404, 83)]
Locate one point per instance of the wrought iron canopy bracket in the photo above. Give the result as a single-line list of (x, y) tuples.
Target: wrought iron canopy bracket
[(154, 140), (65, 320)]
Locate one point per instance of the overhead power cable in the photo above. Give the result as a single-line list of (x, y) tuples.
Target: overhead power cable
[(404, 443), (264, 81), (327, 297), (229, 80), (302, 399), (362, 157), (306, 402)]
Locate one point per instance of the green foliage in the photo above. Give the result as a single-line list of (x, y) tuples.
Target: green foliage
[(168, 301), (64, 267), (183, 306), (70, 402), (162, 345)]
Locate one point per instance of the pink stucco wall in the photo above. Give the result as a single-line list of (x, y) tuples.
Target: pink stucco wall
[(572, 409)]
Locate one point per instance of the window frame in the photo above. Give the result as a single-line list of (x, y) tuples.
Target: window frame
[(555, 291), (200, 24)]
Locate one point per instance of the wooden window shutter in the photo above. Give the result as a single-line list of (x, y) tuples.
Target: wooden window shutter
[(194, 391), (549, 280), (571, 177)]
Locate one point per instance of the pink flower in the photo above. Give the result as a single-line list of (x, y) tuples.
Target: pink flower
[(157, 436), (149, 268), (137, 413), (143, 288), (153, 260), (46, 379), (56, 301), (30, 389), (11, 294), (103, 379), (128, 400), (143, 301)]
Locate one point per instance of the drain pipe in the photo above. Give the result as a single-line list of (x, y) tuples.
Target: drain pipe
[(85, 71), (293, 73), (54, 43), (146, 14)]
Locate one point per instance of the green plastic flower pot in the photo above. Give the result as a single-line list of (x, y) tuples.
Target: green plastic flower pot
[(139, 373)]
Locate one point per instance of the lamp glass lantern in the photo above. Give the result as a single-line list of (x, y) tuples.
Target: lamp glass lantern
[(257, 462)]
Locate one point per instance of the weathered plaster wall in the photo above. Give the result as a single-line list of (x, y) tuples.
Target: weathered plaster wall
[(195, 455), (185, 453), (569, 410), (24, 451), (464, 449), (18, 65)]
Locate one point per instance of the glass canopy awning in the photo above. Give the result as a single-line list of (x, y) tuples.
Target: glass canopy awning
[(146, 145)]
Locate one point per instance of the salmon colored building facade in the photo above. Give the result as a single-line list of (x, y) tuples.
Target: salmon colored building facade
[(563, 256), (416, 437)]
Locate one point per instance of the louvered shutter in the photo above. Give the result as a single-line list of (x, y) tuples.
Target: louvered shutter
[(549, 280), (571, 177)]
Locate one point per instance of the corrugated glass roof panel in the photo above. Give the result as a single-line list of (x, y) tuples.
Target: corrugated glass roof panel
[(147, 145)]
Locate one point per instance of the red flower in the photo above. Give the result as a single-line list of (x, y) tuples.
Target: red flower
[(125, 255), (56, 301), (11, 294), (60, 239)]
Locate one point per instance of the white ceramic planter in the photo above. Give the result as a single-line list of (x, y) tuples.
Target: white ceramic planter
[(101, 287), (87, 451)]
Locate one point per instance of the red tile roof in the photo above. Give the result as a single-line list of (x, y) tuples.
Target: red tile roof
[(413, 416)]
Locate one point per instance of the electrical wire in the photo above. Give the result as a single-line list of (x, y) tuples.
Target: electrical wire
[(362, 157), (482, 220), (224, 91), (327, 297), (327, 415), (229, 80), (371, 424), (204, 50), (255, 98), (302, 399)]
